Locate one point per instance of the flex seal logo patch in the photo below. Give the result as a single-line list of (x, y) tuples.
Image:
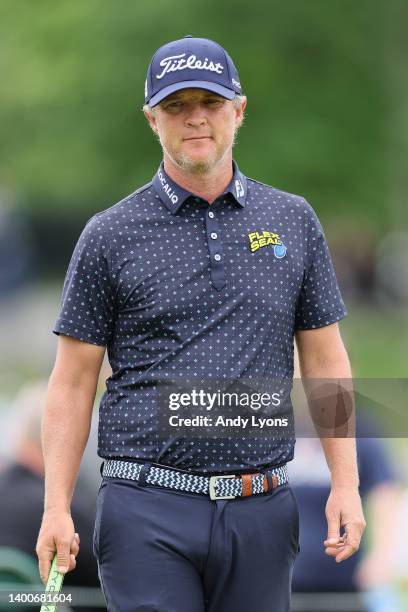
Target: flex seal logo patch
[(260, 239)]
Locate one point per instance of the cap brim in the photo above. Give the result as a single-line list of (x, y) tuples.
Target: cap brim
[(210, 86)]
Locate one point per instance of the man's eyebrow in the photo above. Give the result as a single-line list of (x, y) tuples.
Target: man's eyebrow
[(177, 97), (174, 96)]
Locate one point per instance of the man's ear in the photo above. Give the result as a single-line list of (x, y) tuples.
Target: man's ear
[(239, 112), (151, 119)]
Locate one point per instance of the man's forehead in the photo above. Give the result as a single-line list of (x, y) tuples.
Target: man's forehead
[(192, 93)]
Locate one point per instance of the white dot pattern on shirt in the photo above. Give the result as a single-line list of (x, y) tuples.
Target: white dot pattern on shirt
[(139, 282)]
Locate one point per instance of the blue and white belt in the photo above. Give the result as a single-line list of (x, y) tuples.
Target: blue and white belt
[(228, 486)]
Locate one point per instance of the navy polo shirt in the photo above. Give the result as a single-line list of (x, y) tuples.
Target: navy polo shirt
[(176, 287)]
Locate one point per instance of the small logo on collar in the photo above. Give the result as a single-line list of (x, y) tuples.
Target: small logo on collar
[(239, 188), (263, 238), (167, 188)]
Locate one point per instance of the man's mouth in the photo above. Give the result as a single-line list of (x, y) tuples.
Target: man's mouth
[(198, 138)]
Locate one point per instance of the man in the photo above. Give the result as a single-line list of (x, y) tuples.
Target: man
[(200, 273)]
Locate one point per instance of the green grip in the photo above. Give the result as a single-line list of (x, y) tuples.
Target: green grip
[(54, 585)]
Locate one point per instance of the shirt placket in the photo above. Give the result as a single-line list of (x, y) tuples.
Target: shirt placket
[(215, 248)]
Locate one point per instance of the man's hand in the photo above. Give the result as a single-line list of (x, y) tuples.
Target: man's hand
[(57, 533), (344, 509)]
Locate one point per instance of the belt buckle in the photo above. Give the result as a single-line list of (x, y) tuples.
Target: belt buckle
[(213, 482)]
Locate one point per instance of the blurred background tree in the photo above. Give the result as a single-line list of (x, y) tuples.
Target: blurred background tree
[(316, 74), (327, 118)]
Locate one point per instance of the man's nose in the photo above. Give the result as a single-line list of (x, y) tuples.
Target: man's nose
[(196, 116)]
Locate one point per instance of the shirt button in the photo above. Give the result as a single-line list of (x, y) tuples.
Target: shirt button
[(217, 257), (211, 214), (213, 235)]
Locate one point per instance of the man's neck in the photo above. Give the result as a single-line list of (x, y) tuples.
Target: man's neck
[(207, 186)]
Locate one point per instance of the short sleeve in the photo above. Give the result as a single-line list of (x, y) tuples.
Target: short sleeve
[(87, 303), (320, 302)]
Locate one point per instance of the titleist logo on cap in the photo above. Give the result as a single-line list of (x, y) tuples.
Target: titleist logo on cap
[(178, 62)]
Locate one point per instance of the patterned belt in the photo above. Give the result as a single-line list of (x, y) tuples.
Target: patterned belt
[(217, 487)]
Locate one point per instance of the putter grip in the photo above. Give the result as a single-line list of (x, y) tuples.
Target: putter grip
[(54, 585)]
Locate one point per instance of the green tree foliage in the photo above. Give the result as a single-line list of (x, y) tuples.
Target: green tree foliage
[(73, 136)]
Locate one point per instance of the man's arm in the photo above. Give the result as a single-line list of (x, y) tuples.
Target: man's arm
[(65, 431), (322, 356)]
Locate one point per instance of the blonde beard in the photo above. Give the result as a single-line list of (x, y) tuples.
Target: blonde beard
[(193, 166), (198, 167)]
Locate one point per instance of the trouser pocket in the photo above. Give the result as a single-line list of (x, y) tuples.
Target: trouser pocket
[(296, 520)]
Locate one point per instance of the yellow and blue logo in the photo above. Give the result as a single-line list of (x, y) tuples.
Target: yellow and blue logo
[(260, 239)]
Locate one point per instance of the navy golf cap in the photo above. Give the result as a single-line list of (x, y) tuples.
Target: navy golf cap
[(191, 62)]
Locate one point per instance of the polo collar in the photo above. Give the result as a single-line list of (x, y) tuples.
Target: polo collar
[(173, 195)]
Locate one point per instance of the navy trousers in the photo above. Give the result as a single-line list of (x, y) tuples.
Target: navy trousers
[(164, 551)]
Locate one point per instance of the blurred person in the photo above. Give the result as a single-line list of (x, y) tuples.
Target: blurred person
[(403, 551), (16, 248), (373, 570), (354, 252), (167, 280), (22, 490)]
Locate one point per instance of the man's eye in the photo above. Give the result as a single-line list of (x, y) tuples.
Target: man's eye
[(214, 101), (175, 104)]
